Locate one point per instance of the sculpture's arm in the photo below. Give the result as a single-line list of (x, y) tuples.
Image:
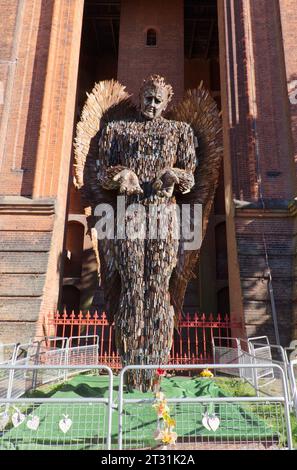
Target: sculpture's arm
[(181, 176), (174, 178), (111, 174), (186, 161)]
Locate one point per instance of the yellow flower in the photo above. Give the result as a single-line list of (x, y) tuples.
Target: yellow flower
[(168, 437), (206, 373), (160, 396), (161, 408), (168, 420)]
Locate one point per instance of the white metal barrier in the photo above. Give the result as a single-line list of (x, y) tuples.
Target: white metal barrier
[(15, 383), (238, 422), (260, 348), (293, 382), (226, 353), (256, 350), (56, 423), (252, 351), (247, 422), (82, 350), (76, 350), (291, 350)]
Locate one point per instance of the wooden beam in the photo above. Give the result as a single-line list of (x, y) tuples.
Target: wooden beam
[(209, 38), (96, 34), (193, 38), (113, 39)]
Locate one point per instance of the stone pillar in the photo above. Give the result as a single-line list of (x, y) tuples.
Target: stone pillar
[(288, 16), (258, 167), (42, 53)]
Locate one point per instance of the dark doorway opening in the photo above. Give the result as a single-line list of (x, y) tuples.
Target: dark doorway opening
[(99, 61), (201, 55)]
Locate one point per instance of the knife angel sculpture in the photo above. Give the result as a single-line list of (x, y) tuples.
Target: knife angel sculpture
[(146, 166)]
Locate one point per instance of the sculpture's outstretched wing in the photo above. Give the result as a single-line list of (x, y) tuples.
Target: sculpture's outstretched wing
[(200, 110), (107, 102)]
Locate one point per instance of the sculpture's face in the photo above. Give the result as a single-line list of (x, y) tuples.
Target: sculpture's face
[(153, 102)]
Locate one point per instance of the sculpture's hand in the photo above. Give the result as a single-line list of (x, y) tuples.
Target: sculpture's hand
[(128, 182), (164, 183)]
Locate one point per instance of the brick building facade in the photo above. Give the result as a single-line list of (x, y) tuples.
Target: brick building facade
[(51, 54)]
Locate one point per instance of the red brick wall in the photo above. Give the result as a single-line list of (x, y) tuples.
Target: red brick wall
[(260, 103), (25, 241), (258, 145), (27, 28), (136, 60), (272, 119), (75, 204), (278, 230), (288, 12), (36, 142)]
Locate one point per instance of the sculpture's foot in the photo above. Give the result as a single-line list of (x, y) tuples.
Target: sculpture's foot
[(143, 380)]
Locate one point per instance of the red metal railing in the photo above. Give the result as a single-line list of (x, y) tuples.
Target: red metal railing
[(191, 345)]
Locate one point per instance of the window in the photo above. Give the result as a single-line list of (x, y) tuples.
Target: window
[(151, 37)]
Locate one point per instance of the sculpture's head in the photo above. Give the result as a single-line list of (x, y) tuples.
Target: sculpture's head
[(155, 94)]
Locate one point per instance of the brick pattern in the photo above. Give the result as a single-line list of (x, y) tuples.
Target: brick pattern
[(272, 120), (54, 151), (25, 242), (280, 242), (288, 14), (27, 45), (136, 60), (17, 309), (20, 331), (259, 103), (37, 145), (256, 107)]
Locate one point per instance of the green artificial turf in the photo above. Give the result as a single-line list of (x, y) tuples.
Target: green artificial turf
[(89, 421)]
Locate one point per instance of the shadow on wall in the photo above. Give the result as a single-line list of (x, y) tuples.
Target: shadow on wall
[(36, 97), (79, 292)]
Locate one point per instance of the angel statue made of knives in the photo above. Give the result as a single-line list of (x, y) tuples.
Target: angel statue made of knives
[(155, 164)]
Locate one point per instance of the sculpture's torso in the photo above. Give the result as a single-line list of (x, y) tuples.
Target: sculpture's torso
[(146, 147)]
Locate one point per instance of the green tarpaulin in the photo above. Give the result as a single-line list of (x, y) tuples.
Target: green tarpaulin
[(238, 422)]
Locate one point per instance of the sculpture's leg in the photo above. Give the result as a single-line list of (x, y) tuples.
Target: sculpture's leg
[(129, 320), (145, 321)]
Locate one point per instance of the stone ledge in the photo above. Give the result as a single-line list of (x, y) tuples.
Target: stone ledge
[(272, 208), (24, 205)]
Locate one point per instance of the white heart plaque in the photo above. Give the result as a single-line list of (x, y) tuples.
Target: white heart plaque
[(213, 422), (65, 424), (4, 418), (17, 418), (205, 421), (33, 423)]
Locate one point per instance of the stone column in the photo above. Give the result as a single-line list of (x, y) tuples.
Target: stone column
[(288, 14), (259, 176), (39, 83)]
